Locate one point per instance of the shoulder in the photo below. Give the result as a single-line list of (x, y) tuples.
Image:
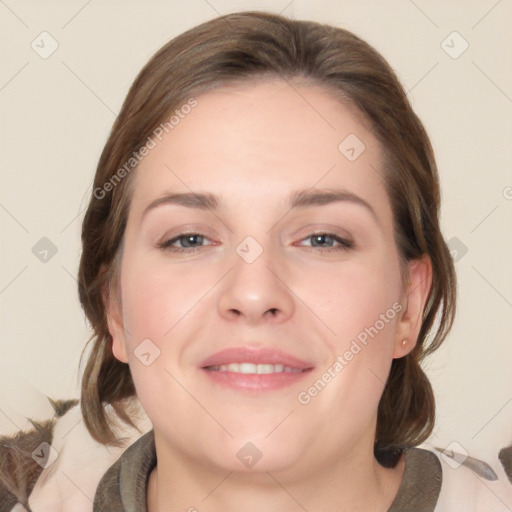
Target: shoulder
[(125, 482), (471, 482), (421, 482)]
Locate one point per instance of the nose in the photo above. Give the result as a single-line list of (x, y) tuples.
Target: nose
[(256, 292)]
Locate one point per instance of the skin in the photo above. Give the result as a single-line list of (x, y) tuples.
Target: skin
[(253, 145)]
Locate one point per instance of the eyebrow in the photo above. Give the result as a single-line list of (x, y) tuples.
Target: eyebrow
[(297, 199), (319, 197)]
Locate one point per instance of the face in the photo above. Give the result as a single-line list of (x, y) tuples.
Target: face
[(260, 292)]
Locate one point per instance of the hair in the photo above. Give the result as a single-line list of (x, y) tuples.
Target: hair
[(244, 47)]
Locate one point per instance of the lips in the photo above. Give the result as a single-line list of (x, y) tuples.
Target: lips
[(255, 370), (263, 356)]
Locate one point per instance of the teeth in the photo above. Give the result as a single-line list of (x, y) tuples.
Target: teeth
[(250, 368)]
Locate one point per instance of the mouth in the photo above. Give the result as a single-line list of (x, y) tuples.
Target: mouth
[(255, 370), (251, 369)]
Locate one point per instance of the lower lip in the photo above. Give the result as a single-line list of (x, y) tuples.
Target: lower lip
[(255, 381)]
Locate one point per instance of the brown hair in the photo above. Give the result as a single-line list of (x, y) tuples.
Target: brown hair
[(243, 47)]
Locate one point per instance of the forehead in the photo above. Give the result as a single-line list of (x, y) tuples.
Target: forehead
[(257, 141)]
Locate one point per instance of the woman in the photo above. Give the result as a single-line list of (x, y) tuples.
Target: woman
[(264, 270), (289, 207)]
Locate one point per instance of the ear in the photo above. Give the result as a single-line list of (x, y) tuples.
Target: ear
[(416, 294), (116, 329)]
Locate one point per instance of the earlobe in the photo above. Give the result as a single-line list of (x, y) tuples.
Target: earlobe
[(408, 328), (115, 326), (118, 344)]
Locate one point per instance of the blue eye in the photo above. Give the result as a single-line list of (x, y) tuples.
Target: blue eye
[(325, 242), (189, 242)]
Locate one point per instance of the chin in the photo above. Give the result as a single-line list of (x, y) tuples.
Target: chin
[(256, 454)]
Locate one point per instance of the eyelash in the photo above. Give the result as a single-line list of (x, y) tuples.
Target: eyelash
[(344, 245)]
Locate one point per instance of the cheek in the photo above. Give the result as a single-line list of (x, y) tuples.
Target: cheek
[(361, 306), (353, 296), (158, 298)]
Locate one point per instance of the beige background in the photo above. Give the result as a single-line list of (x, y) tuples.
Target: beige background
[(57, 112)]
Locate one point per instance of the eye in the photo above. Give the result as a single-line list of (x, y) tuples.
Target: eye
[(185, 242), (191, 242), (326, 242)]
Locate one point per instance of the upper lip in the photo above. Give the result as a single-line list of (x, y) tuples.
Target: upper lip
[(255, 356)]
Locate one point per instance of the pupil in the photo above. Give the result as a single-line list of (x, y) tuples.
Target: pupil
[(321, 238), (190, 239)]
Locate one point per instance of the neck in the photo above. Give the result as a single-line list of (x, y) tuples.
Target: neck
[(354, 484)]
